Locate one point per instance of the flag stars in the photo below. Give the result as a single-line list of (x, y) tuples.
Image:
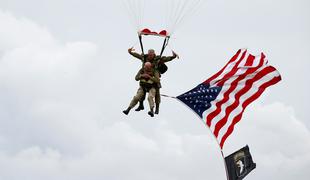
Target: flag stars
[(200, 97)]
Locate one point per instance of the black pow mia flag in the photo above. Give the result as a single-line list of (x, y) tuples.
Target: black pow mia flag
[(239, 164)]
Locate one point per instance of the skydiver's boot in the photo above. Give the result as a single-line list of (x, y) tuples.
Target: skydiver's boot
[(157, 108), (126, 111), (140, 107), (151, 112)]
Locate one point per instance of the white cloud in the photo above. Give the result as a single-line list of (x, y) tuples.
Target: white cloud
[(41, 80), (279, 142), (20, 32), (52, 125)]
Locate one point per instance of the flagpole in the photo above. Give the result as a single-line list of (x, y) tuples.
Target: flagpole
[(222, 154), (226, 170)]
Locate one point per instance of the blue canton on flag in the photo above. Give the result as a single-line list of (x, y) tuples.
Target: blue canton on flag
[(221, 99), (199, 99)]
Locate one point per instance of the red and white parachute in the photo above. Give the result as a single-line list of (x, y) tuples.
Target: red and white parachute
[(163, 15)]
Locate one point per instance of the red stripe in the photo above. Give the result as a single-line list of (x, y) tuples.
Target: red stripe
[(220, 72), (234, 84), (231, 73), (218, 110), (231, 88), (249, 60), (245, 104)]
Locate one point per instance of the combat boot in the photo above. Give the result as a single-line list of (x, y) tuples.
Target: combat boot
[(151, 113), (140, 107), (126, 111)]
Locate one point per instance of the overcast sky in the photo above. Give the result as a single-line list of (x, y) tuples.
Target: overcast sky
[(66, 76)]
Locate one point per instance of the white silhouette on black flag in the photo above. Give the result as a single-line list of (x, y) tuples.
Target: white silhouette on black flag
[(239, 164)]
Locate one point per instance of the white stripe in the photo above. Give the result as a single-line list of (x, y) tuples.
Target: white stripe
[(231, 99), (243, 98), (220, 97), (222, 107), (229, 67), (226, 86)]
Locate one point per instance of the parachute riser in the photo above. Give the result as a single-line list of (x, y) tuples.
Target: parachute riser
[(141, 44), (165, 44)]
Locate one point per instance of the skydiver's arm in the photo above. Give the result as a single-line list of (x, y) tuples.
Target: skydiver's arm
[(169, 58), (138, 75), (155, 78), (134, 54)]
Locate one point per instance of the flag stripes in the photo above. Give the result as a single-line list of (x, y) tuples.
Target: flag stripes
[(241, 81)]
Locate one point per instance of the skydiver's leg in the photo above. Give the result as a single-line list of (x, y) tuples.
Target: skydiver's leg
[(150, 98), (134, 100), (137, 78), (157, 96), (141, 106), (157, 100)]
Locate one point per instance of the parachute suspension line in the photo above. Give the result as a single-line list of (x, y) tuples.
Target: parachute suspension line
[(185, 12), (126, 8), (190, 12), (174, 9), (135, 44), (165, 44), (175, 12), (170, 47), (167, 15), (127, 4), (179, 11), (139, 12), (141, 7), (170, 11), (135, 10)]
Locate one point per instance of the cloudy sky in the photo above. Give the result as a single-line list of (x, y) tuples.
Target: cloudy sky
[(65, 77)]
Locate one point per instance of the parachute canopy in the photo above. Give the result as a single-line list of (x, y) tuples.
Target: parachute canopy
[(159, 14), (146, 31)]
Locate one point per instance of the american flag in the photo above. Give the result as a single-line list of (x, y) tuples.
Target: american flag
[(221, 99)]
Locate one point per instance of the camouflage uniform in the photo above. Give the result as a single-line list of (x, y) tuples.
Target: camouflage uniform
[(156, 61), (146, 85)]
